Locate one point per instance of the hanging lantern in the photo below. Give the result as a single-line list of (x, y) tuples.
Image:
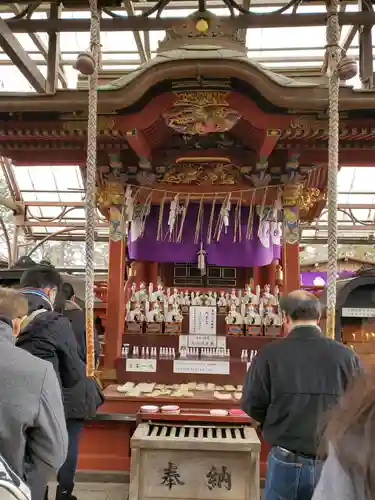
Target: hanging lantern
[(347, 68), (202, 26), (85, 63)]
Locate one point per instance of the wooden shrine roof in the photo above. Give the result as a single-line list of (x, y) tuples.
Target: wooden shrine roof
[(278, 109)]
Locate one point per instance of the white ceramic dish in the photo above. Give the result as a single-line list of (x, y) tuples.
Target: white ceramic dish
[(218, 413), (170, 409), (149, 409)]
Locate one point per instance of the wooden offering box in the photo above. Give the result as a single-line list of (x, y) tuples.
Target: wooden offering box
[(195, 461)]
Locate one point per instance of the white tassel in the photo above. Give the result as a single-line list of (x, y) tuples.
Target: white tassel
[(172, 215), (202, 261), (226, 212)]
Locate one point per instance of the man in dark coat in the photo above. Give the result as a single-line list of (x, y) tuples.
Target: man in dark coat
[(49, 336), (288, 388)]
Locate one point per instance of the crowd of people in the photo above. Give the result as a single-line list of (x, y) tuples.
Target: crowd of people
[(315, 406), (45, 394), (310, 395)]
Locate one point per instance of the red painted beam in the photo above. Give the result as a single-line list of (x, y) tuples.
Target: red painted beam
[(138, 143)]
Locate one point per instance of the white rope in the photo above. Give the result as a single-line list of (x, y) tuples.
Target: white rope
[(90, 203), (334, 54)]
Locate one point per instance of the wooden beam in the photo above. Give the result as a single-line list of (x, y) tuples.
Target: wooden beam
[(137, 37), (17, 54), (348, 40), (366, 64), (53, 57), (270, 139), (138, 23), (39, 44), (138, 143)]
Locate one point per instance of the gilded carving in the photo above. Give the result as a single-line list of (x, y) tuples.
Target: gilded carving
[(307, 199), (111, 193), (305, 125), (201, 113), (197, 174), (291, 195)]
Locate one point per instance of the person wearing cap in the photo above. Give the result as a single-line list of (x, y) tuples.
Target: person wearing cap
[(289, 387)]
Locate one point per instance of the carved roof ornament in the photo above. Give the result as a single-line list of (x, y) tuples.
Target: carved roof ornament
[(109, 193), (203, 31), (201, 113), (308, 198), (202, 173)]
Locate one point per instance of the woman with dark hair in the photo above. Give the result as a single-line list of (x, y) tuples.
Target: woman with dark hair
[(349, 471), (66, 304)]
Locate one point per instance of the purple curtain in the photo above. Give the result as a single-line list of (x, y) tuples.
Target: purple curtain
[(225, 252)]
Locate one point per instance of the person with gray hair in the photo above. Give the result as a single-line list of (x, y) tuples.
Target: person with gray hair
[(33, 434), (288, 388)]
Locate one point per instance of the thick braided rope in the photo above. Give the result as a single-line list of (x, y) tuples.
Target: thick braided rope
[(90, 204), (334, 53)]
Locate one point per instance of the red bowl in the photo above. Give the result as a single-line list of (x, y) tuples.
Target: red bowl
[(237, 412)]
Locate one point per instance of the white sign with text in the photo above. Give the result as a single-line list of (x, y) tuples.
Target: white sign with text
[(141, 365), (201, 367), (358, 312), (202, 341), (202, 320)]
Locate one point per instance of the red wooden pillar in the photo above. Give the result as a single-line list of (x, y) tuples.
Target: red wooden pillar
[(290, 260), (270, 275), (115, 303), (141, 272), (265, 275), (257, 276), (290, 249), (153, 273)]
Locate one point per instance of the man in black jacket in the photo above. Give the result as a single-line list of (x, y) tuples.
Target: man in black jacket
[(288, 388), (49, 336)]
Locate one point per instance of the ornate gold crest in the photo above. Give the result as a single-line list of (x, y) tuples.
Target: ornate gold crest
[(201, 113), (199, 173), (111, 193)]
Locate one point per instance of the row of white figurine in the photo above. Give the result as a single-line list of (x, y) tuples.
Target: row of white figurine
[(245, 356), (154, 315), (210, 299), (254, 317)]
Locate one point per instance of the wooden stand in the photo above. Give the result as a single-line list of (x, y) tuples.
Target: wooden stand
[(253, 330), (133, 327), (154, 328), (169, 461), (173, 328), (109, 435), (235, 329)]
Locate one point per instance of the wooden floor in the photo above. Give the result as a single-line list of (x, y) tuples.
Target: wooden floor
[(100, 491), (97, 491)]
